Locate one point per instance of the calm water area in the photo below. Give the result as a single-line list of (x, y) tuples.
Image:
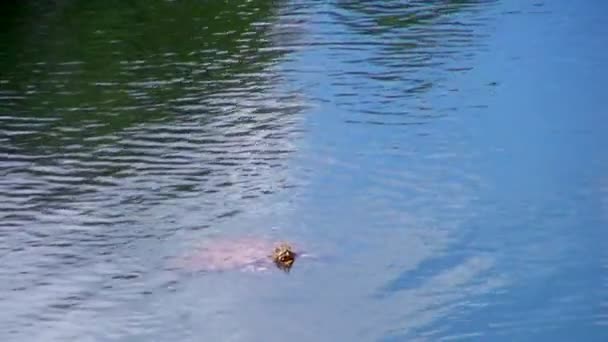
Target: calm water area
[(444, 162)]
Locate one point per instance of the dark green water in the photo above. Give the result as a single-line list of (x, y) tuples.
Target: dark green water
[(443, 161)]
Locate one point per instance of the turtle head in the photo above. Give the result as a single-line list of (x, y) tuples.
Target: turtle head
[(284, 256)]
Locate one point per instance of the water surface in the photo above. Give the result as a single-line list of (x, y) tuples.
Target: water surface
[(443, 158)]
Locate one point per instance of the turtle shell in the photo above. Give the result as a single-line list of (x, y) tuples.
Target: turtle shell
[(239, 254)]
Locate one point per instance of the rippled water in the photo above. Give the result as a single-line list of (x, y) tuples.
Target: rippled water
[(442, 160)]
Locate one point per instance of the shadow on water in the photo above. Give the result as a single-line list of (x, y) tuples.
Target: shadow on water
[(122, 96), (90, 69)]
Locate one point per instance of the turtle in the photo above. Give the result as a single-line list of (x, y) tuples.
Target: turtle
[(247, 254), (284, 256)]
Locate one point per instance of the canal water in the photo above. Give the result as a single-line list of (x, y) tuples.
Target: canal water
[(443, 162)]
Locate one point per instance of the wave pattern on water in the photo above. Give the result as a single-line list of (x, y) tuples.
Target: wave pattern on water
[(98, 137), (387, 55), (394, 136)]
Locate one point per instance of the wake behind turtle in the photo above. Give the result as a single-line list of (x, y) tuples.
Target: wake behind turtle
[(248, 254)]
